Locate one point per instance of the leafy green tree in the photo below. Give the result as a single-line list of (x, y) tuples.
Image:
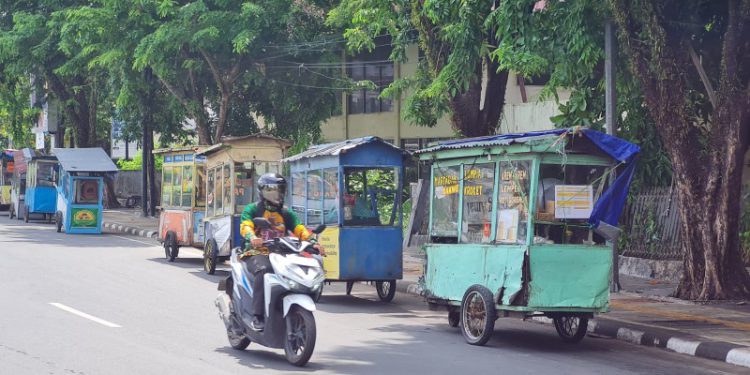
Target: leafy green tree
[(207, 51), (684, 78), (456, 75), (30, 46), (16, 117), (692, 61)]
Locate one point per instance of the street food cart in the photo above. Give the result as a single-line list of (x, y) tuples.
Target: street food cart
[(40, 196), (522, 224), (80, 189), (6, 176), (233, 167), (354, 187), (183, 199), (18, 185)]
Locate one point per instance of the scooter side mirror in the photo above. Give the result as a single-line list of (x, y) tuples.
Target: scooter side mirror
[(261, 223), (319, 229)]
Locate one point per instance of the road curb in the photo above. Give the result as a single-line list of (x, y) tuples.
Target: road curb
[(680, 343), (117, 227)]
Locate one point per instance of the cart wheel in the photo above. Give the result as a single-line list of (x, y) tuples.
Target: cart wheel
[(58, 221), (349, 285), (478, 315), (25, 214), (454, 317), (571, 329), (10, 212), (48, 217), (171, 249), (210, 256), (386, 290)]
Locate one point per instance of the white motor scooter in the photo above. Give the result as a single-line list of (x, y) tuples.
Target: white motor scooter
[(297, 275)]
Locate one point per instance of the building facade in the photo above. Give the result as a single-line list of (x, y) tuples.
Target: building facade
[(363, 113)]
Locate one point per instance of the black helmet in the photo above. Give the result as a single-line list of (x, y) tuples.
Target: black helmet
[(272, 189)]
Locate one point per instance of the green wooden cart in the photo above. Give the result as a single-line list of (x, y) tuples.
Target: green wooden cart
[(522, 224)]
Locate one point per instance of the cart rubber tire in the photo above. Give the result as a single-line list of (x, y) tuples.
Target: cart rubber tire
[(171, 249), (300, 336), (571, 329), (25, 214), (349, 286), (478, 304), (10, 212), (454, 318), (210, 256), (58, 221), (386, 290)]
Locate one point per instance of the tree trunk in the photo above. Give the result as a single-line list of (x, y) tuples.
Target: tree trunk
[(203, 129), (473, 117), (707, 158), (226, 98), (110, 196)]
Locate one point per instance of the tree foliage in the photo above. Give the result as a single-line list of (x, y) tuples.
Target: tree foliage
[(455, 38)]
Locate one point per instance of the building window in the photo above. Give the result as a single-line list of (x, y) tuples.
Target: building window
[(375, 67)]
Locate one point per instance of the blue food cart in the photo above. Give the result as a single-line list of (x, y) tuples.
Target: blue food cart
[(80, 189), (40, 196), (354, 187)]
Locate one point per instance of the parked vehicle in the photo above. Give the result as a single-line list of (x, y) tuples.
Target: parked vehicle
[(521, 225), (6, 176), (233, 166), (183, 199), (290, 323), (354, 187), (80, 189), (40, 197), (18, 185)]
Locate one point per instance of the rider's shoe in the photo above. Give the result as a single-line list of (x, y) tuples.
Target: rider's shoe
[(257, 324)]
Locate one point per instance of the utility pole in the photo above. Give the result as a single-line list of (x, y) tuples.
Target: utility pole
[(610, 105)]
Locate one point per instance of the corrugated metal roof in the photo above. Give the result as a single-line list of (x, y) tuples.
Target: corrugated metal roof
[(193, 148), (336, 148), (494, 140), (227, 141), (84, 160)]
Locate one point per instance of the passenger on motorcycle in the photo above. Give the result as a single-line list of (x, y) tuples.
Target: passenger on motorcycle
[(270, 205)]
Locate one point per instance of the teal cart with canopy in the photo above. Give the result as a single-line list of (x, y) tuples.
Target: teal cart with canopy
[(522, 225), (80, 189)]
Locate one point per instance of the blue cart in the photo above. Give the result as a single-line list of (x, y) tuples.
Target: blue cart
[(40, 196), (354, 187), (80, 189)]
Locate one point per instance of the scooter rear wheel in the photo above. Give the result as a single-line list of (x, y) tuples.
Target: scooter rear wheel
[(237, 340), (300, 336)]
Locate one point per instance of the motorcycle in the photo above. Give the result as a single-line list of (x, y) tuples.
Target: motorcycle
[(297, 275)]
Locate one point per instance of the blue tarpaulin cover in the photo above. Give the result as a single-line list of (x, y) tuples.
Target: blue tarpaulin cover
[(608, 208)]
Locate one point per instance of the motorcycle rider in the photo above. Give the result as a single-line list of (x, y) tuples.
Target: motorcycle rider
[(270, 205)]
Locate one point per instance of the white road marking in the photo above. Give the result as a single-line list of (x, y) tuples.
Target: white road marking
[(134, 240), (84, 315)]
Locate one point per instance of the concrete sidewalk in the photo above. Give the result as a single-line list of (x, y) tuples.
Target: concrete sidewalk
[(643, 313), (130, 221)]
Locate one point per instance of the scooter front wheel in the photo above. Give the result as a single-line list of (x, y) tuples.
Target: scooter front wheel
[(300, 336)]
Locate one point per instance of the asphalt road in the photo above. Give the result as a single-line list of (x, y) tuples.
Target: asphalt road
[(81, 304)]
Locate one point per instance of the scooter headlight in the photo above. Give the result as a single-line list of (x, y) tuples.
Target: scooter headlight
[(295, 286)]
